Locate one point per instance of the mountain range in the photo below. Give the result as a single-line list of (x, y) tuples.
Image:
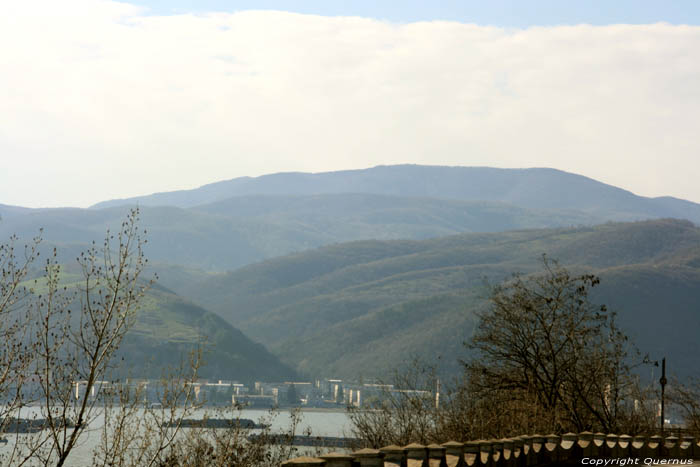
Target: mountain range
[(352, 273), (229, 224), (535, 188)]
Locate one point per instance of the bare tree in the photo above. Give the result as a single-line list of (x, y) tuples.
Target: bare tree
[(407, 410), (686, 397), (546, 359), (204, 446), (143, 419), (58, 342), (62, 338), (402, 411), (16, 353), (543, 342)]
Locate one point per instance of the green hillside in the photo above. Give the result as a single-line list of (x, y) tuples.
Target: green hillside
[(168, 328), (362, 307)]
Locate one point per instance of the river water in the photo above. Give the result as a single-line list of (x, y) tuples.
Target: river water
[(319, 422)]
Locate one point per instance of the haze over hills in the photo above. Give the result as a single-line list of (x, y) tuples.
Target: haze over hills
[(361, 308), (243, 230), (294, 212), (348, 273), (535, 188)]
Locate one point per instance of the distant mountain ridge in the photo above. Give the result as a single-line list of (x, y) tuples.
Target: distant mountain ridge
[(246, 229), (294, 212), (533, 188)]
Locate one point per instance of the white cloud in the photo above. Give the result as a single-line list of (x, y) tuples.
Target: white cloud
[(98, 100)]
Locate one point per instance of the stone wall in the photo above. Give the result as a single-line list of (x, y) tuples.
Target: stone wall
[(569, 449)]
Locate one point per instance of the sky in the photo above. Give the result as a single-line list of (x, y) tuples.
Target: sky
[(503, 13), (103, 99)]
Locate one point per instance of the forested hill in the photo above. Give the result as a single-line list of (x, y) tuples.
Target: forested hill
[(362, 308), (168, 328), (535, 188)]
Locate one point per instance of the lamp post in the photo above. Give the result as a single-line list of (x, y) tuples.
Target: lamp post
[(663, 382)]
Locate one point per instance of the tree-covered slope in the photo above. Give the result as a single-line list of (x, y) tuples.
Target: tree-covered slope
[(362, 307), (168, 328), (536, 188)]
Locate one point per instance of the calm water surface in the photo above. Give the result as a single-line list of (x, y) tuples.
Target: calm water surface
[(321, 423)]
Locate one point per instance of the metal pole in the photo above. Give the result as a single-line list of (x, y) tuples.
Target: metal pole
[(663, 382)]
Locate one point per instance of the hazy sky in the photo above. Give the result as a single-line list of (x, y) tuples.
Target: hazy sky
[(102, 99)]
